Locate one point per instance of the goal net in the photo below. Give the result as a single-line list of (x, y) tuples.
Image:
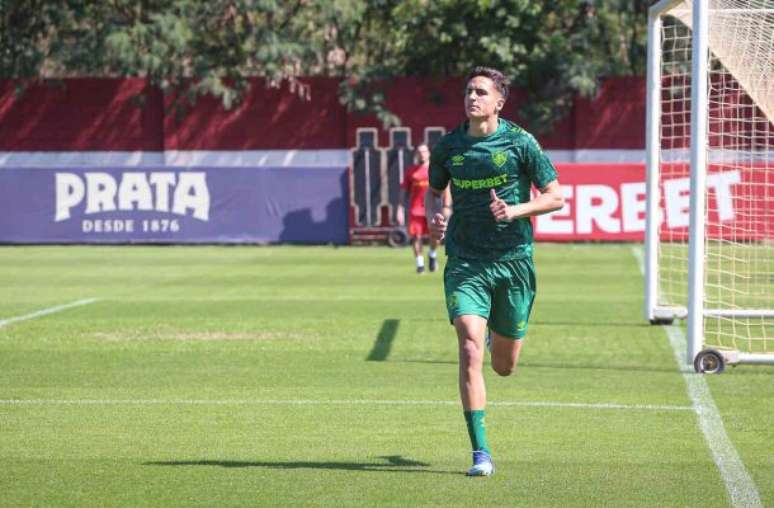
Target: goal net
[(735, 151)]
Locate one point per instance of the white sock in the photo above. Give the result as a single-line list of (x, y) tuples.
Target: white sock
[(420, 262), (431, 253)]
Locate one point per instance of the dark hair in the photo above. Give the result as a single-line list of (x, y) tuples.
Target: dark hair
[(500, 81)]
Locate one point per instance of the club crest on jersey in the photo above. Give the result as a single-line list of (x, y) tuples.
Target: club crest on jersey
[(499, 158)]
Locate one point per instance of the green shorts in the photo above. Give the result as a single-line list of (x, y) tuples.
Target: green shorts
[(500, 291)]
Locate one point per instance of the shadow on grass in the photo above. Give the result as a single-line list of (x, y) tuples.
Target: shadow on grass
[(383, 344), (393, 463)]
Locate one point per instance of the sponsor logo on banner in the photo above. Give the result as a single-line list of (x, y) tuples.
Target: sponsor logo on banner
[(94, 196), (609, 209)]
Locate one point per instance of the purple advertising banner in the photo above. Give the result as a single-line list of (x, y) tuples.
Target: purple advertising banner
[(174, 205)]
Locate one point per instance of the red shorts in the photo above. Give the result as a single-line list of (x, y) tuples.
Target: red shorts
[(417, 226)]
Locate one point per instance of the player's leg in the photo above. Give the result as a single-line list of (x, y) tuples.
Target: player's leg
[(468, 299), (511, 307), (505, 353), (415, 232), (432, 255), (470, 337), (416, 245)]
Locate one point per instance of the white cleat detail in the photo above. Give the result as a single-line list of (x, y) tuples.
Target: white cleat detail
[(482, 465)]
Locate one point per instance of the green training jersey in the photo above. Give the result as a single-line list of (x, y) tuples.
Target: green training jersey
[(509, 160)]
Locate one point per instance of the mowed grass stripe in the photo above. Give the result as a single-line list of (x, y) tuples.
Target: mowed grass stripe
[(739, 485), (351, 402)]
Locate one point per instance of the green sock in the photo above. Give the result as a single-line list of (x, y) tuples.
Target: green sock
[(477, 430)]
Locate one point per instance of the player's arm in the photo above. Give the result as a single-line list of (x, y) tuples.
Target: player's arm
[(549, 199), (440, 201), (446, 202), (437, 211), (438, 197)]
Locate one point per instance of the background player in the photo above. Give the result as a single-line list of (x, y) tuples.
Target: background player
[(489, 279), (414, 185)]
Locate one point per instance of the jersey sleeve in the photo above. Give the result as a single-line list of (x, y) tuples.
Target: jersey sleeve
[(539, 167), (438, 172)]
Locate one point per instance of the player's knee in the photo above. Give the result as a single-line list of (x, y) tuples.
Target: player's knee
[(471, 354), (503, 368), (503, 371)]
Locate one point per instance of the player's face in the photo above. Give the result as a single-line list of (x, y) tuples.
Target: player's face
[(423, 154), (482, 99)]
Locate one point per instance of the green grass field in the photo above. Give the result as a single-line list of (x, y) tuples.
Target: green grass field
[(282, 376)]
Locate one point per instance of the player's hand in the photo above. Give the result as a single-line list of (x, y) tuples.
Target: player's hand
[(437, 227), (500, 209)]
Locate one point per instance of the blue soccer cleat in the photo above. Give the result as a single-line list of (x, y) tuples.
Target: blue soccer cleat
[(482, 464)]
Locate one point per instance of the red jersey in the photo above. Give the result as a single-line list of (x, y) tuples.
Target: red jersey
[(416, 180)]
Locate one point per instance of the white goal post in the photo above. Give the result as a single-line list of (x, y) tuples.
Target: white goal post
[(709, 239)]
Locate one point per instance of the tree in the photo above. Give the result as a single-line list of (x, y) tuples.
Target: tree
[(186, 47), (25, 32), (553, 50), (189, 48)]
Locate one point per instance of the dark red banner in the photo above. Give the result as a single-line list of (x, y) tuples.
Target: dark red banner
[(607, 202)]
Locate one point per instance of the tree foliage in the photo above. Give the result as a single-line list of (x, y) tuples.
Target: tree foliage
[(189, 48)]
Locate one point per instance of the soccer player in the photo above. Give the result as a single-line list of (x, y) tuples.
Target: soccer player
[(489, 279), (414, 185)]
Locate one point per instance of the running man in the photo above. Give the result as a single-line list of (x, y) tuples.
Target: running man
[(489, 279)]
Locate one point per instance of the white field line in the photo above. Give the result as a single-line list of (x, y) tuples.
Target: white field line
[(740, 487), (43, 312), (314, 402)]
